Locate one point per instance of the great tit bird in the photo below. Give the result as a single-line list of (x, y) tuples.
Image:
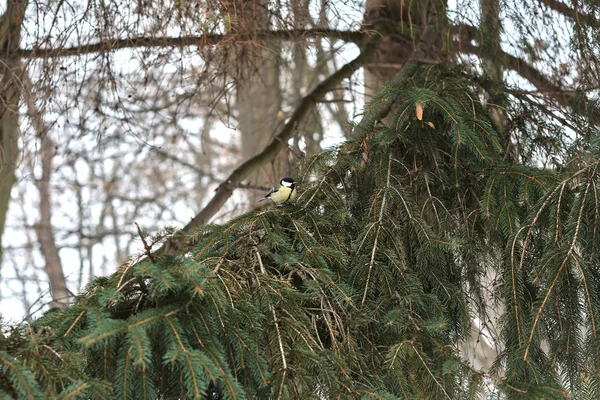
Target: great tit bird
[(284, 193)]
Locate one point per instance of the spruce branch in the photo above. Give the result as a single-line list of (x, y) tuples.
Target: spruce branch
[(260, 262), (549, 290), (186, 354), (435, 379), (515, 295), (75, 321), (590, 303), (281, 350), (379, 224)]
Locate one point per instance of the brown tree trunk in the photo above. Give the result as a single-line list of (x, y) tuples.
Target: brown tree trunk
[(43, 228), (258, 94), (490, 48), (45, 232), (422, 21), (10, 88)]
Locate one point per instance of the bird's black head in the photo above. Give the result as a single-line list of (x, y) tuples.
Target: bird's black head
[(288, 182)]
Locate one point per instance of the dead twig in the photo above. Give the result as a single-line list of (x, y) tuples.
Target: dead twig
[(147, 247)]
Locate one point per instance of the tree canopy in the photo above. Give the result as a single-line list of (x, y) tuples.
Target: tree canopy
[(462, 206)]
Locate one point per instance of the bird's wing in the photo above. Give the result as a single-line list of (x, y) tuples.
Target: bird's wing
[(268, 195)]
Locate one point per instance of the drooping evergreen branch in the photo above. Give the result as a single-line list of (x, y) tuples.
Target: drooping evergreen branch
[(380, 220), (281, 350), (566, 258), (196, 40)]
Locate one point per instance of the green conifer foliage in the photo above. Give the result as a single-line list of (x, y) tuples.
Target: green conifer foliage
[(363, 289)]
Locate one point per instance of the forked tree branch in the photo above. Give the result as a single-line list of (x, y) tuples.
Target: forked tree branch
[(197, 40), (465, 34), (571, 13), (544, 84), (225, 189), (523, 68)]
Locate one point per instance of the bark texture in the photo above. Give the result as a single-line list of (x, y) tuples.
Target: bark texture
[(45, 232), (396, 21)]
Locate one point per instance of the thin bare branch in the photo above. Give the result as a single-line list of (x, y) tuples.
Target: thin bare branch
[(147, 247), (197, 40)]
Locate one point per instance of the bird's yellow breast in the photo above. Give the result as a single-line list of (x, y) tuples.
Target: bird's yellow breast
[(283, 194)]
